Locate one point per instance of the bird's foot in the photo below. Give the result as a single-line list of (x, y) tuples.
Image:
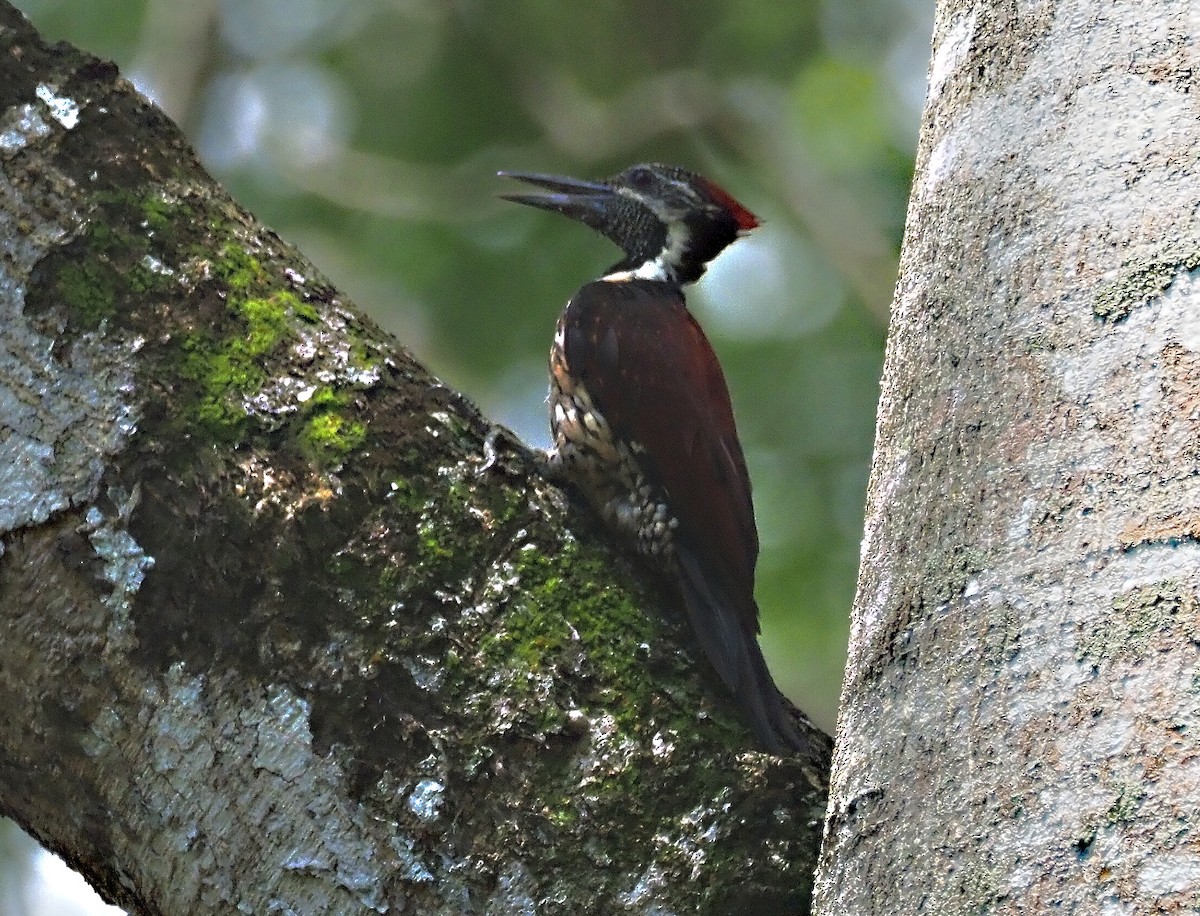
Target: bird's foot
[(501, 437)]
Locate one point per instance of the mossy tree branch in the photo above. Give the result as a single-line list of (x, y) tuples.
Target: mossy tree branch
[(268, 637)]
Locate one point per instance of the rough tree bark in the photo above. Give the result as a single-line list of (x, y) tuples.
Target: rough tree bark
[(269, 641), (1020, 725)]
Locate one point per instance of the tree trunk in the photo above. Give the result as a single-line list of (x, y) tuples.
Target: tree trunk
[(1020, 725), (271, 637)]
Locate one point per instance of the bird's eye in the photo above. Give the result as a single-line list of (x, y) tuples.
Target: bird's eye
[(641, 177)]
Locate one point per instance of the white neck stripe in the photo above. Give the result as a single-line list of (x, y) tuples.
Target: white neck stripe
[(651, 270)]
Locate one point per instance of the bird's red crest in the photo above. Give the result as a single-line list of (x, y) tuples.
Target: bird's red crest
[(744, 218)]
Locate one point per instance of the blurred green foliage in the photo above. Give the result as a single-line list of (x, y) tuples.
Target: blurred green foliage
[(369, 132)]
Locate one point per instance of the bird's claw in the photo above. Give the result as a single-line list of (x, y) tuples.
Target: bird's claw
[(491, 451)]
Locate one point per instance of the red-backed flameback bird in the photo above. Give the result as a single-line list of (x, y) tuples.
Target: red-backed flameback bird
[(641, 416)]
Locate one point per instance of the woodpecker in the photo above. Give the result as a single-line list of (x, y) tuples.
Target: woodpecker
[(641, 417)]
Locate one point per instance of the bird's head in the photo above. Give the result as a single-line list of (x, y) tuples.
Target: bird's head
[(669, 222)]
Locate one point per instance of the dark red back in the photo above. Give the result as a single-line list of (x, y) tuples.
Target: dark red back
[(654, 377)]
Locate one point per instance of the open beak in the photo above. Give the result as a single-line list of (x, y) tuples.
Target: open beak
[(586, 201)]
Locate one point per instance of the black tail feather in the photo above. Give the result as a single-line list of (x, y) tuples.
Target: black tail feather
[(737, 658)]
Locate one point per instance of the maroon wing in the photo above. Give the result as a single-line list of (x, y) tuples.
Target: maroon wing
[(654, 377)]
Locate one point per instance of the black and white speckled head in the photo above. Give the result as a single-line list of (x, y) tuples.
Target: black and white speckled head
[(670, 222)]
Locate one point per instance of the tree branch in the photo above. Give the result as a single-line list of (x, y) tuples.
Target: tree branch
[(268, 637)]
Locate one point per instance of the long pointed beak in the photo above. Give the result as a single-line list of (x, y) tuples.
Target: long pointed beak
[(581, 200)]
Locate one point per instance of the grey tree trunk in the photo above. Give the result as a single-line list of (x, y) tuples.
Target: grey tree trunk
[(1020, 725), (271, 637)]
